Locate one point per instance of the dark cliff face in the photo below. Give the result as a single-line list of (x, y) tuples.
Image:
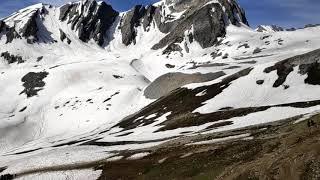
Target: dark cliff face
[(204, 25), (129, 22), (30, 28), (204, 21), (2, 25), (208, 21), (139, 15), (91, 19)]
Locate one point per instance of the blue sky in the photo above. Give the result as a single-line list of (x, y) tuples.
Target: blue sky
[(287, 13)]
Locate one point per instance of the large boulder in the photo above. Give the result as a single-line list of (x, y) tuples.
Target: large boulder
[(171, 81)]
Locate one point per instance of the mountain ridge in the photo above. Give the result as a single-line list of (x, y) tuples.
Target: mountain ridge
[(92, 20)]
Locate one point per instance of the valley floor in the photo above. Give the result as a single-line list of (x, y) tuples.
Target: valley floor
[(280, 150)]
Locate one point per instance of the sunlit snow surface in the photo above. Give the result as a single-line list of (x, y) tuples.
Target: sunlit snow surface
[(90, 89)]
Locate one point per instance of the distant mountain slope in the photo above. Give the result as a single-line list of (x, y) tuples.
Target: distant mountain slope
[(266, 28)]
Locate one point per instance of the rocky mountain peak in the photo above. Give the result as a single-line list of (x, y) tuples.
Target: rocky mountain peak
[(184, 21), (91, 19), (24, 23)]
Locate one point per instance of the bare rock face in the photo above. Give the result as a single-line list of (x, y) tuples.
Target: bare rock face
[(30, 28), (185, 21), (9, 32), (2, 25), (148, 17), (64, 36), (308, 64), (64, 10), (139, 15), (179, 5), (129, 22), (91, 19), (10, 58), (208, 21), (203, 20)]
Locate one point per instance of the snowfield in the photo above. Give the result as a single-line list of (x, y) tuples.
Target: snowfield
[(64, 105)]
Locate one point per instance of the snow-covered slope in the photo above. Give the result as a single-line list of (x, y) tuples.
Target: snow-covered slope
[(82, 82)]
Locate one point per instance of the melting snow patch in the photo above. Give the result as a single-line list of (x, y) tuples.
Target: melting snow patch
[(162, 160), (87, 174), (186, 155), (151, 116), (115, 158), (202, 93), (138, 156)]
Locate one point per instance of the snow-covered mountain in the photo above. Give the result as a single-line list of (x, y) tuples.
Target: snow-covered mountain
[(82, 82), (269, 28)]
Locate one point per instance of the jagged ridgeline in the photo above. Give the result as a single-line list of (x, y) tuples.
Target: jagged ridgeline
[(196, 20)]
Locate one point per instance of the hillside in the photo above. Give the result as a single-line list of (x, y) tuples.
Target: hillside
[(83, 85)]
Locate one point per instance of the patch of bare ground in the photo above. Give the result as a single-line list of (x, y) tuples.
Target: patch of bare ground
[(282, 150)]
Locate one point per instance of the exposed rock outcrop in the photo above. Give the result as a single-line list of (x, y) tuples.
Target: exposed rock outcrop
[(129, 22), (148, 17), (30, 28), (63, 36), (26, 26), (10, 58), (206, 21), (311, 25), (137, 16), (172, 48), (33, 83), (185, 21), (9, 32), (308, 64), (90, 19), (2, 25)]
